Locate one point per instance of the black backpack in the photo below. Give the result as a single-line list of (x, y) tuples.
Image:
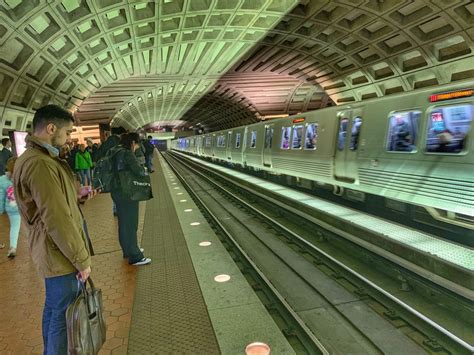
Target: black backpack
[(105, 173)]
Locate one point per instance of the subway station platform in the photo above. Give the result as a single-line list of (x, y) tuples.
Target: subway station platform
[(173, 305)]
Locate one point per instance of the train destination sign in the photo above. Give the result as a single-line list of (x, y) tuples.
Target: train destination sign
[(451, 95), (298, 120)]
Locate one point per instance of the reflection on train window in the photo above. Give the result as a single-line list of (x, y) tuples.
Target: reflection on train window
[(208, 141), (341, 136), (237, 140), (253, 139), (355, 132), (297, 137), (229, 139), (186, 143), (403, 131), (448, 127), (268, 137), (285, 137), (311, 136)]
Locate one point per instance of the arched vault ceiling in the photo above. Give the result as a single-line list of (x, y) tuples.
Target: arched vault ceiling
[(222, 62)]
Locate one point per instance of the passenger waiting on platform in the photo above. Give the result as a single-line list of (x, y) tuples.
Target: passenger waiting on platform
[(84, 165), (127, 209), (47, 200), (149, 150), (8, 204), (92, 148), (5, 154), (112, 141), (140, 153)]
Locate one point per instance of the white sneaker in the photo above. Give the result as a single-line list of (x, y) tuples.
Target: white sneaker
[(11, 253), (142, 250), (144, 261)]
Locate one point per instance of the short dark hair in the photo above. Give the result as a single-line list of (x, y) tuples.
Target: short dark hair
[(5, 141), (51, 114), (117, 130), (126, 139), (150, 137)]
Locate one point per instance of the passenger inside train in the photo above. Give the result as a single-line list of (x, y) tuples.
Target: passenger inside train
[(448, 128), (403, 131)]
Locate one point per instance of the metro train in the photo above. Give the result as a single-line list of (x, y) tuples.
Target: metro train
[(407, 149)]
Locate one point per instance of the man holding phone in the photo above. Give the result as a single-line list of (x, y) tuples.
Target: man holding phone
[(47, 199)]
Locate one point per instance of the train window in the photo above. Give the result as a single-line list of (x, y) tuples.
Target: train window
[(297, 137), (237, 140), (341, 137), (355, 132), (448, 127), (285, 137), (403, 131), (311, 136), (229, 139), (253, 139), (208, 141), (221, 141), (268, 137)]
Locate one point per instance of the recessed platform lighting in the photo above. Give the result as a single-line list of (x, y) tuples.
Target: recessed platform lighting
[(257, 348), (188, 210), (195, 223), (204, 244), (183, 200), (179, 193), (176, 188), (222, 278)]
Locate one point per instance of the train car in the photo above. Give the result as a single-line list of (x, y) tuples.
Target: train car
[(413, 148)]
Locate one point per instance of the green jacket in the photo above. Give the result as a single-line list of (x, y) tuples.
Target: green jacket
[(47, 199), (83, 160)]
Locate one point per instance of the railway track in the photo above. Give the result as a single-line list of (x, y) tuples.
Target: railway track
[(322, 304)]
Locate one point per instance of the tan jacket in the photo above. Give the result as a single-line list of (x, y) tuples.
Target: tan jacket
[(47, 199)]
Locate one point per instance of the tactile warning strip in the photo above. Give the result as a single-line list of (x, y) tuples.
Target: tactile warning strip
[(169, 313)]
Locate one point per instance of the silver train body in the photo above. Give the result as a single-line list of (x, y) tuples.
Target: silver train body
[(415, 148)]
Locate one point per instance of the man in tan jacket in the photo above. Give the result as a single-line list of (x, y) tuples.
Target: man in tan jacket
[(47, 199)]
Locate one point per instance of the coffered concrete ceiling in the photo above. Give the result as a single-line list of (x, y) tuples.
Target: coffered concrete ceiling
[(222, 62)]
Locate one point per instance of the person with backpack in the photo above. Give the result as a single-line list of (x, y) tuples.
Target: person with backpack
[(124, 160), (84, 165), (112, 141)]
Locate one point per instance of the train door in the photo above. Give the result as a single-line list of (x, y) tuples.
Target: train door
[(229, 145), (244, 146), (347, 141), (267, 146), (199, 145)]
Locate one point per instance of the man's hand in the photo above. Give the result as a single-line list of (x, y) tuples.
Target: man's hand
[(84, 274), (83, 196)]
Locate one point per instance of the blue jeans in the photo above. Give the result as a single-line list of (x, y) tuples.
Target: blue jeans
[(61, 291), (148, 162), (85, 177), (15, 222)]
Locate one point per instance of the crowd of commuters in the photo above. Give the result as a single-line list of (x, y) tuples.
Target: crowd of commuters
[(44, 188)]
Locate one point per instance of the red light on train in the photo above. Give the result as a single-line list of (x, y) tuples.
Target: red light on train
[(451, 95), (298, 120)]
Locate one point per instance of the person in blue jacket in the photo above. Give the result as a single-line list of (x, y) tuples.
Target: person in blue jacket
[(8, 204)]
